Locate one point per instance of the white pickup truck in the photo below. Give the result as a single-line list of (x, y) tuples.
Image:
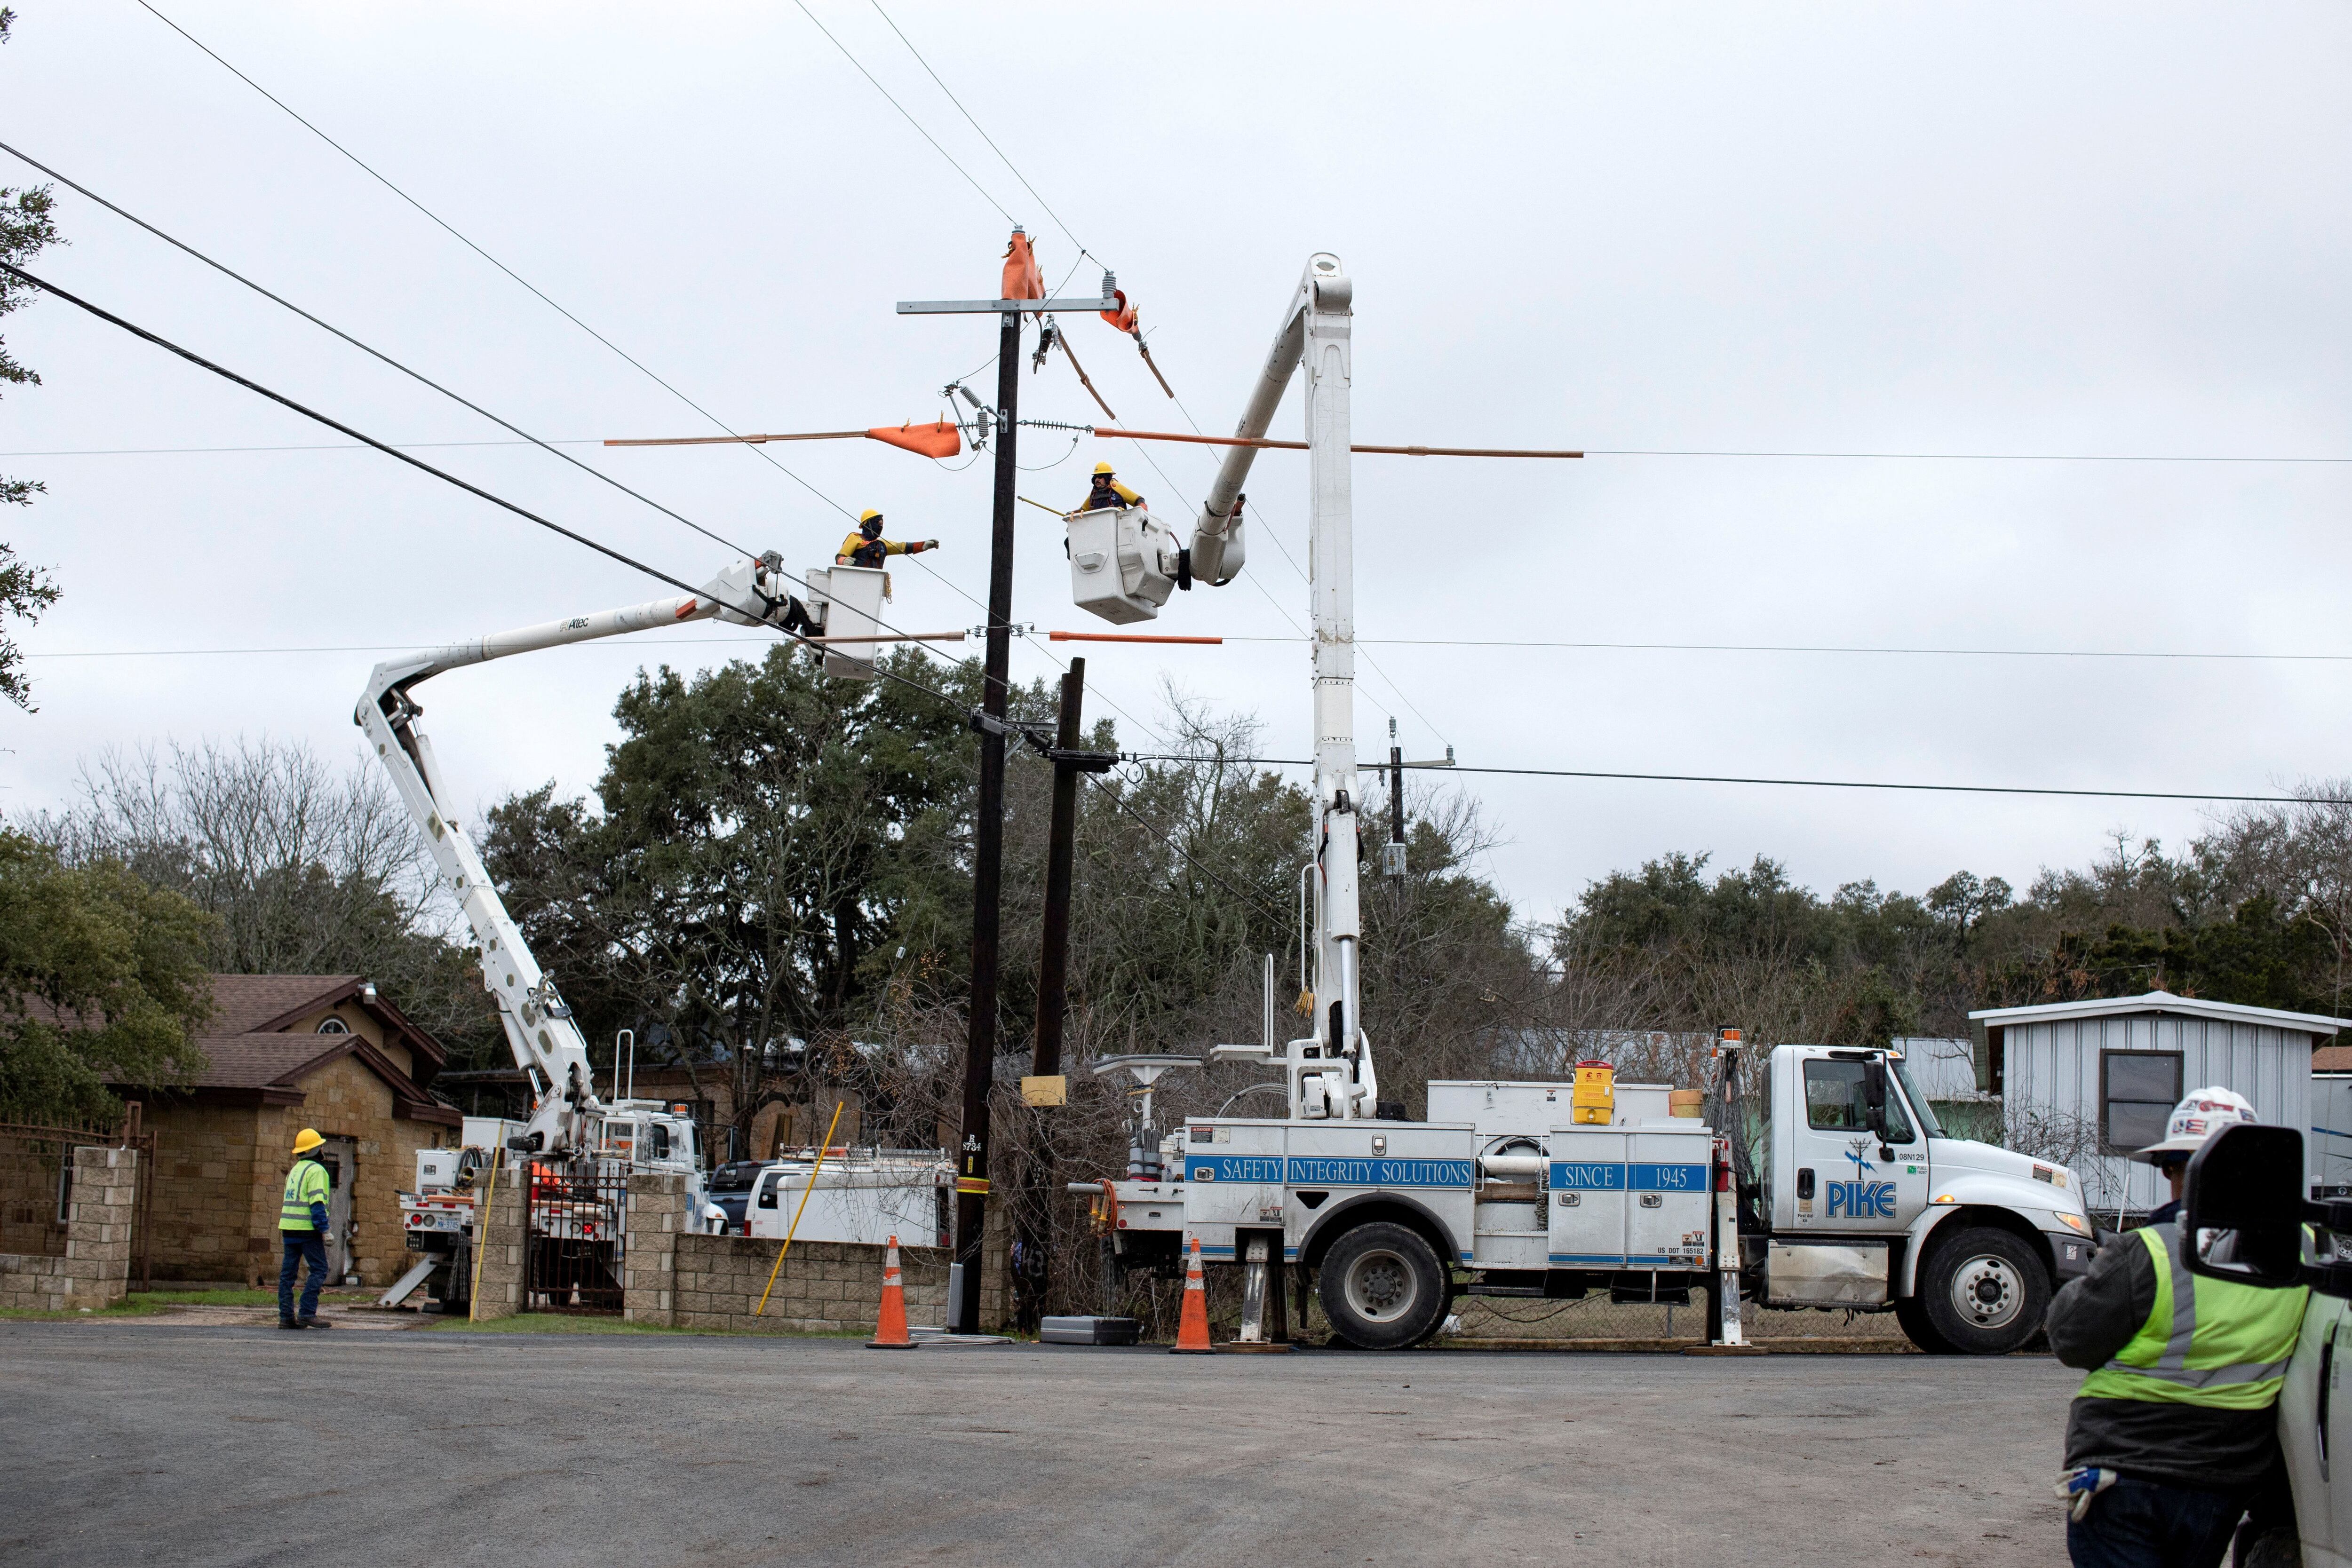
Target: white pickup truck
[(1856, 1202)]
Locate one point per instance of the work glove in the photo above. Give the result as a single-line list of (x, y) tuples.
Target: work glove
[(930, 544), (2077, 1487)]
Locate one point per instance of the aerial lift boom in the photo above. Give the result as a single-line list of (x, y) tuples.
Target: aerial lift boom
[(1330, 1074), (548, 1045)]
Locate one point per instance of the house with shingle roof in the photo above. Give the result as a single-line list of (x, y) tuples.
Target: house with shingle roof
[(284, 1052)]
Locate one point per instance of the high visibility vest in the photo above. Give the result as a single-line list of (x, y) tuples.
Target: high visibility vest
[(2207, 1341), (306, 1184)]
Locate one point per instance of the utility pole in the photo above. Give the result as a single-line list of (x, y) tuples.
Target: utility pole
[(1037, 1219), (987, 833)]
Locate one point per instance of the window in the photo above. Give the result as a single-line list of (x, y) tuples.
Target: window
[(2137, 1089), (1833, 1100), (330, 1024)]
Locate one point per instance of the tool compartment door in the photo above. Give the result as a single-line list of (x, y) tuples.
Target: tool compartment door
[(1587, 1198), (1667, 1205), (1233, 1179)]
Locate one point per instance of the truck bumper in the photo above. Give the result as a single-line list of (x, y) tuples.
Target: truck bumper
[(2070, 1254)]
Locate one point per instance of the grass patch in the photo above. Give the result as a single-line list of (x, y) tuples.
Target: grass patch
[(146, 1303), (580, 1323), (557, 1323)]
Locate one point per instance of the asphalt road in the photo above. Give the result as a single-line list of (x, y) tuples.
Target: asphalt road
[(130, 1442)]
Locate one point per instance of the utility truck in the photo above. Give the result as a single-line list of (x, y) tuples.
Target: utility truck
[(1856, 1201), (576, 1147)]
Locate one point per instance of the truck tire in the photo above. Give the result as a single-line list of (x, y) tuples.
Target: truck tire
[(1983, 1291), (1381, 1287), (1913, 1315)]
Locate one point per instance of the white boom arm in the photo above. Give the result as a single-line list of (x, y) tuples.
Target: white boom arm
[(1316, 332), (547, 1044)]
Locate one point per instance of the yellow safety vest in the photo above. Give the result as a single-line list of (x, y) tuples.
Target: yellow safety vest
[(306, 1184), (2207, 1341)]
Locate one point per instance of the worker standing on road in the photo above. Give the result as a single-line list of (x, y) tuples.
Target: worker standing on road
[(302, 1228), (1107, 491), (2174, 1430), (867, 547)]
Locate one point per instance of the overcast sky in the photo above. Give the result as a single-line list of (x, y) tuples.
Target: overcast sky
[(2097, 231)]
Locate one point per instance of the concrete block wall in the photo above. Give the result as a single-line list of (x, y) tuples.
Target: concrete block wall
[(500, 1236), (677, 1278), (658, 1216), (824, 1287), (96, 1269)]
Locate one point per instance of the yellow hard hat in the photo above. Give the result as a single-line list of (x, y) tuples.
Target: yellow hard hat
[(1104, 468), (868, 515), (306, 1139)]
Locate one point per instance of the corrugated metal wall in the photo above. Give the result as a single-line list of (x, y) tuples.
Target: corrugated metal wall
[(2331, 1127), (2051, 1083)]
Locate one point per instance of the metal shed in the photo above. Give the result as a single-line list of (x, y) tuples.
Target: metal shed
[(2086, 1082)]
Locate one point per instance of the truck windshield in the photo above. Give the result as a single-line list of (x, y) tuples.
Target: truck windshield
[(1919, 1106)]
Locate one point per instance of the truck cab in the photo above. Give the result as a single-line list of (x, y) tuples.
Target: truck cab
[(1862, 1203)]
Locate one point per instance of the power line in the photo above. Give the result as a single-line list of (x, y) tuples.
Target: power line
[(1827, 648), (1962, 456), (910, 119), (657, 574), (494, 261), (975, 124), (303, 446), (372, 352), (1793, 783), (1385, 642), (441, 474), (1887, 456)]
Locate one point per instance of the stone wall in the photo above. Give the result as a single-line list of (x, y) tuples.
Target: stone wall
[(681, 1278), (498, 1293), (209, 1172), (96, 1269), (222, 1170)]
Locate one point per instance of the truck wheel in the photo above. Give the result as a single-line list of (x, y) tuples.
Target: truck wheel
[(1913, 1315), (1381, 1287), (1983, 1291)]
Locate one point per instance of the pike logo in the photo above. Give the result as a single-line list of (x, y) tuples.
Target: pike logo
[(1861, 1199)]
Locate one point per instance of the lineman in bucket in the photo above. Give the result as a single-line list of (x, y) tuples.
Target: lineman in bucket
[(2174, 1431)]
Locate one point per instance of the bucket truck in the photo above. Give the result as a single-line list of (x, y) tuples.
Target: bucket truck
[(572, 1135), (1545, 1189)]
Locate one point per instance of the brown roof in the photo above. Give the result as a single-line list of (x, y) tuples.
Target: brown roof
[(269, 1069), (251, 1004), (262, 1004), (2331, 1059), (253, 1055)]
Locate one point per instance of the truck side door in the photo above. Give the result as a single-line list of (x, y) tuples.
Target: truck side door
[(1847, 1181)]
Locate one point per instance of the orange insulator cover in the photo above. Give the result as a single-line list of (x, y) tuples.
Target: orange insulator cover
[(1124, 317), (938, 439), (1022, 279)]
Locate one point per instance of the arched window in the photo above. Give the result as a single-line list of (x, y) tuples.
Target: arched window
[(330, 1024)]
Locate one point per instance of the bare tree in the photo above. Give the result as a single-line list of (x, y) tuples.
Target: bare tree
[(309, 867)]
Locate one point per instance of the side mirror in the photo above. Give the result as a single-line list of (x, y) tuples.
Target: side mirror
[(2243, 1207), (1873, 1096)]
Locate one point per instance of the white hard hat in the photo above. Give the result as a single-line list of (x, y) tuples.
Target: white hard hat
[(2197, 1118)]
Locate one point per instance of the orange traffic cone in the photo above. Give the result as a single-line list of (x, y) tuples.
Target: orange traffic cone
[(890, 1332), (1192, 1328)]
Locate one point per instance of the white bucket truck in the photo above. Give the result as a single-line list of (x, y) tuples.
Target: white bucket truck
[(1857, 1203)]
